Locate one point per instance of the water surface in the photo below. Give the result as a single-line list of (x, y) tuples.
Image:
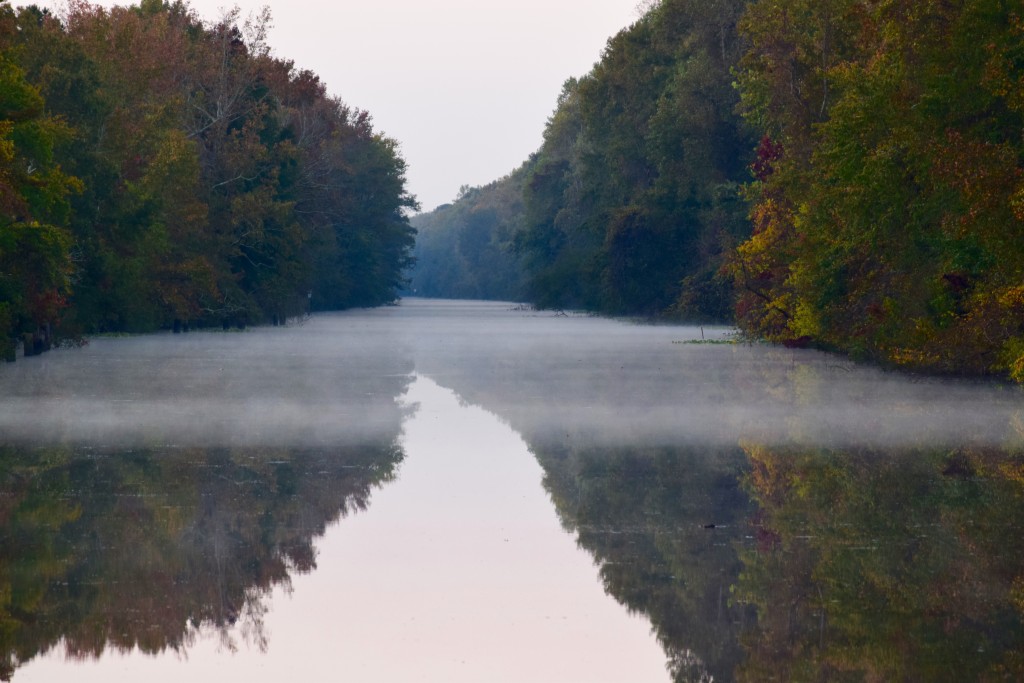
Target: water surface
[(473, 491)]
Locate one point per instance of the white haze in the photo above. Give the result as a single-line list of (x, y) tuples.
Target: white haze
[(575, 379), (460, 568)]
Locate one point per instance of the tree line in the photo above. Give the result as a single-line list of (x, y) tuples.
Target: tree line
[(157, 170), (843, 174), (464, 249), (634, 194)]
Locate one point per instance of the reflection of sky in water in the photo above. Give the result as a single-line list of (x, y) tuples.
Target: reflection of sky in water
[(459, 571)]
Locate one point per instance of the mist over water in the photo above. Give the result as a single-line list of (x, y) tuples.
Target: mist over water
[(323, 382), (614, 382), (750, 503)]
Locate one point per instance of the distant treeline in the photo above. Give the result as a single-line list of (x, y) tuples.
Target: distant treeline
[(634, 195), (156, 170), (464, 250), (835, 173)]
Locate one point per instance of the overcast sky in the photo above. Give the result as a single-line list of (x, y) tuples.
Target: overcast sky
[(465, 86)]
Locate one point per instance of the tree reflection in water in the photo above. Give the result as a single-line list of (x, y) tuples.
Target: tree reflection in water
[(784, 564), (143, 549), (776, 514), (886, 566), (796, 522), (664, 525)]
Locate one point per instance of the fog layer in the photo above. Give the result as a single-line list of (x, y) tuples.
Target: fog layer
[(335, 378)]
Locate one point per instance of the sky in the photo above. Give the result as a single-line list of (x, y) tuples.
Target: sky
[(465, 86)]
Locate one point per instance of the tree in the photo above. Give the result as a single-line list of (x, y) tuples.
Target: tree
[(885, 220), (465, 249), (35, 258), (219, 184), (635, 193)]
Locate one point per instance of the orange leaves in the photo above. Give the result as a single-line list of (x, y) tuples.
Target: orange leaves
[(144, 58), (1012, 299)]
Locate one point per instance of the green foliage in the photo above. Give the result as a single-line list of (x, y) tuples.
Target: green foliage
[(635, 192), (465, 250), (35, 255), (634, 196), (219, 184), (888, 222)]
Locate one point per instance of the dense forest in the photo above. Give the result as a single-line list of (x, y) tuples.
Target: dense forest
[(889, 203), (464, 250), (634, 196), (634, 193), (157, 170), (841, 174)]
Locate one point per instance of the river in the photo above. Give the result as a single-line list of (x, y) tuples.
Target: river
[(470, 491)]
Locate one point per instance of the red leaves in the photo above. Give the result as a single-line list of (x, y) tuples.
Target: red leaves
[(47, 306), (768, 152)]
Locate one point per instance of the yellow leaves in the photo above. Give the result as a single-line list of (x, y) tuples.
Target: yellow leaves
[(1013, 471), (760, 268), (912, 357), (175, 161), (911, 176), (1017, 203), (1017, 593), (806, 321), (1013, 359), (1008, 314), (7, 148), (1012, 297), (769, 473), (983, 336)]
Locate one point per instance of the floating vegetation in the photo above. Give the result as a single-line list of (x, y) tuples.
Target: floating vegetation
[(729, 340)]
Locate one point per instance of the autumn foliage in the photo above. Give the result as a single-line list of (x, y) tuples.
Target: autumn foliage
[(157, 170), (853, 168), (890, 225)]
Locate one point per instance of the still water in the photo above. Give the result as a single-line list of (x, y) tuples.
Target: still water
[(466, 491)]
